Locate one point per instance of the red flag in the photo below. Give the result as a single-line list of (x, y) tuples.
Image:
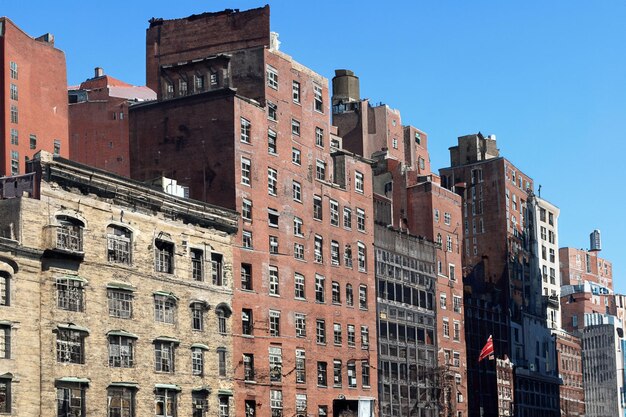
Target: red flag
[(487, 350)]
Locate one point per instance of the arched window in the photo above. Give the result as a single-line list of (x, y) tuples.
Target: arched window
[(119, 247), (223, 312), (69, 233), (349, 295), (5, 289)]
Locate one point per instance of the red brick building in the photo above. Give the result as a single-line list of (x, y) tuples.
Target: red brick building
[(246, 127), (34, 104), (98, 121), (569, 359), (409, 197), (579, 265)]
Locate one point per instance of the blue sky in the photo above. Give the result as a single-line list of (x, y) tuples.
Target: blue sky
[(548, 78)]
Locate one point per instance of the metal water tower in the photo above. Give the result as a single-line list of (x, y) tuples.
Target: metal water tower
[(595, 243)]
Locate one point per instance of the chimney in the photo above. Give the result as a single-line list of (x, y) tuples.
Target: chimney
[(99, 72)]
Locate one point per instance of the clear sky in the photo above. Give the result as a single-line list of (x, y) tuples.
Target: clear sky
[(547, 77)]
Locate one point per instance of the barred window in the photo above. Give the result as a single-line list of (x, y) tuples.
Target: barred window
[(69, 233), (70, 293), (164, 356), (121, 351), (70, 346), (120, 303), (119, 244)]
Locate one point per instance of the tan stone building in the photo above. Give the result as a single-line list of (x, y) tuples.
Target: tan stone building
[(115, 298)]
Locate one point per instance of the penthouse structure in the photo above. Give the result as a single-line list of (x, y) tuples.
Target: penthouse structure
[(34, 102), (243, 125), (116, 298)]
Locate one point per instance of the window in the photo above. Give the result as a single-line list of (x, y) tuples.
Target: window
[(14, 114), (15, 162), (120, 303), (246, 126), (365, 337), (33, 141), (221, 361), (442, 301), (322, 411), (224, 405), (347, 218), (273, 245), (198, 83), (197, 264), (297, 226), (121, 402), (71, 345), (347, 256), (351, 374), (363, 297), (246, 209), (449, 243), (14, 137), (250, 408), (69, 233), (276, 402), (274, 317), (197, 315), (246, 277), (447, 218), (295, 156), (276, 364), (5, 395), (365, 374), (337, 333), (246, 321), (164, 256), (299, 286), (336, 293), (272, 181), (213, 78), (456, 335), (5, 289), (165, 402), (182, 87), (245, 171), (272, 78), (217, 275), (164, 308), (296, 191), (321, 374), (70, 293), (457, 304), (295, 127), (360, 220), (320, 332), (223, 312), (349, 295), (319, 137), (271, 142), (295, 88), (272, 217), (272, 111), (334, 253), (362, 257), (358, 181), (13, 70), (337, 373), (300, 324), (319, 288), (394, 143), (334, 213), (273, 281), (317, 207), (298, 251), (199, 403), (164, 355), (248, 367), (5, 341), (119, 244), (247, 239), (320, 170), (446, 327), (319, 103), (451, 272), (351, 335), (121, 350), (319, 242), (70, 400), (456, 359), (300, 367)]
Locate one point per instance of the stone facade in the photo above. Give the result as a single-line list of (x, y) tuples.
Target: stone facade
[(119, 297)]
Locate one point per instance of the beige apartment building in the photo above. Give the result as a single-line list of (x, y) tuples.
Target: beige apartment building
[(115, 297)]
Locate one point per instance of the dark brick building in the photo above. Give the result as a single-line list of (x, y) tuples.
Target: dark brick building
[(246, 127), (572, 393), (34, 104), (98, 121)]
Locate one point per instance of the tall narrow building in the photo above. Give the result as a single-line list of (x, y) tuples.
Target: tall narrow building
[(34, 104), (409, 198), (503, 296), (243, 125)]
